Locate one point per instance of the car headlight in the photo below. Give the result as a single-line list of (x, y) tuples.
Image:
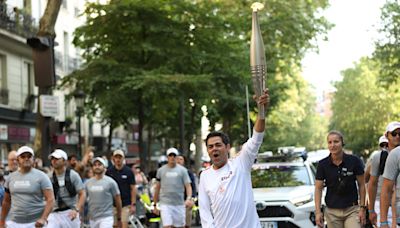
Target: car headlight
[(298, 201)]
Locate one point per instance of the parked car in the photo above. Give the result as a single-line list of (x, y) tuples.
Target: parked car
[(283, 190)]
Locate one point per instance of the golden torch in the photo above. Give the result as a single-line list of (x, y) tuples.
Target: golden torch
[(258, 65)]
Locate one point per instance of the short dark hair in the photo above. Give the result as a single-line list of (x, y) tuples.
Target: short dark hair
[(338, 133), (72, 156), (224, 137)]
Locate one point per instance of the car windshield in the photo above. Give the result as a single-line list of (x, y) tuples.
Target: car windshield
[(279, 176)]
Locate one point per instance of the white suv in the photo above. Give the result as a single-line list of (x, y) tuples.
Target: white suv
[(284, 193)]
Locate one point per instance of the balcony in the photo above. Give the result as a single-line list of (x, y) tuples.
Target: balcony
[(65, 64), (17, 21)]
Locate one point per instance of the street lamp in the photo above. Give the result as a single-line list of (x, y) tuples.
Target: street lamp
[(79, 97)]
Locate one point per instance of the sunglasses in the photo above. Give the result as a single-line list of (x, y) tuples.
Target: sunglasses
[(173, 155), (394, 133)]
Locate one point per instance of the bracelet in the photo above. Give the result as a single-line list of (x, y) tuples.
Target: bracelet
[(371, 211), (384, 223), (363, 207)]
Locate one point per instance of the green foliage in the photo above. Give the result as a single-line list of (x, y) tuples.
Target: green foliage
[(387, 50), (294, 121), (147, 56), (361, 108)]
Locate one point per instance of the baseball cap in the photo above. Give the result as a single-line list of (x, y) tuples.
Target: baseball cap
[(392, 126), (172, 150), (59, 154), (119, 152), (383, 139), (25, 149), (101, 160)]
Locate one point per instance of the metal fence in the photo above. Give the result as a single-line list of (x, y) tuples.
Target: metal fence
[(17, 21)]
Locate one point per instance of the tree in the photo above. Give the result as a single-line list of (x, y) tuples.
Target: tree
[(159, 54), (387, 50), (361, 107), (46, 29), (294, 121)]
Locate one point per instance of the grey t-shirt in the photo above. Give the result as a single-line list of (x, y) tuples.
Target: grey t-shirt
[(63, 192), (392, 166), (100, 195), (27, 199), (173, 182), (375, 161)]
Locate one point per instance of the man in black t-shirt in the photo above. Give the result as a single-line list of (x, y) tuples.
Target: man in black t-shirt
[(125, 179)]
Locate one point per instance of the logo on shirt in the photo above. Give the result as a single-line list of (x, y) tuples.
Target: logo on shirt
[(96, 188), (227, 177), (22, 184), (171, 174)]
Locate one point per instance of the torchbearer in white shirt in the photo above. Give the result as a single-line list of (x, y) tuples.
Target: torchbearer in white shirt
[(225, 192)]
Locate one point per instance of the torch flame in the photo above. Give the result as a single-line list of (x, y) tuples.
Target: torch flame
[(257, 6)]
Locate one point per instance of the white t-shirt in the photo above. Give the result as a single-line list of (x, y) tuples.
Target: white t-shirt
[(225, 195)]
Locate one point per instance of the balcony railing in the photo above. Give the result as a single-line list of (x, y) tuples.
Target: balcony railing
[(66, 64), (17, 21)]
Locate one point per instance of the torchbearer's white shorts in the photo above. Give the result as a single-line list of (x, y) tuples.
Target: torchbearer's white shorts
[(106, 222), (173, 215), (61, 219)]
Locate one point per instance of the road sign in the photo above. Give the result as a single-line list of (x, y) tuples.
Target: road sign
[(49, 105)]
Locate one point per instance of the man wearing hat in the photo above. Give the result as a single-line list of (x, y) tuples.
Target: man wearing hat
[(102, 191), (172, 181), (29, 194), (68, 193), (125, 179), (391, 171), (377, 165)]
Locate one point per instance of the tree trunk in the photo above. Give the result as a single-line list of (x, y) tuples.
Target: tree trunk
[(46, 28), (142, 153), (49, 18)]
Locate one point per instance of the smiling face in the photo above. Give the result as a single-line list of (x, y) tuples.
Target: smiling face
[(335, 144), (218, 151), (393, 138)]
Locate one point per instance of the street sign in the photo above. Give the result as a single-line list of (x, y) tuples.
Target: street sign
[(49, 105)]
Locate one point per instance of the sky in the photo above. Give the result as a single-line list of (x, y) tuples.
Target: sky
[(356, 23)]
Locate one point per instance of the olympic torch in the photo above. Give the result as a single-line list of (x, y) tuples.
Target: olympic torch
[(258, 64)]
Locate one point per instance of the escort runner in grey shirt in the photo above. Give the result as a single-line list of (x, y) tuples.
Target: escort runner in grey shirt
[(375, 161), (67, 199), (392, 166), (100, 194), (26, 195), (173, 182)]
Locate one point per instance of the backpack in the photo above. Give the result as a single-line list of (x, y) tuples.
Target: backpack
[(382, 161), (68, 184)]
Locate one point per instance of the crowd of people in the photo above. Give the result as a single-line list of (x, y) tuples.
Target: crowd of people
[(93, 192), (98, 193)]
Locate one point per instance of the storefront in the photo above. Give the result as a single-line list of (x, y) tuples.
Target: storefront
[(17, 128)]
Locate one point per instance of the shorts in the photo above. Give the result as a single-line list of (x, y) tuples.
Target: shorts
[(173, 215), (188, 220), (125, 212), (12, 224), (62, 219), (105, 222)]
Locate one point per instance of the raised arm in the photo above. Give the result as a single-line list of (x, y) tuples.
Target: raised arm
[(259, 126)]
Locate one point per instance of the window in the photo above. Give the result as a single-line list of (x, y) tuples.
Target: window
[(66, 52), (27, 87), (3, 81)]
